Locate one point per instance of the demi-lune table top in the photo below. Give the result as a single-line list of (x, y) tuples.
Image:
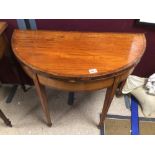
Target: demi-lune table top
[(77, 54)]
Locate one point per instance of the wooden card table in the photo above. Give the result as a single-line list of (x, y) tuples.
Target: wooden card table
[(77, 61)]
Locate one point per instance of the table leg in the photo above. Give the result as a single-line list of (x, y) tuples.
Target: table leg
[(43, 98), (119, 89), (5, 119), (107, 102), (11, 94)]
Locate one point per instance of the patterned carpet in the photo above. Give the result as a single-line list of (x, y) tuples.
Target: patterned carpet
[(82, 118)]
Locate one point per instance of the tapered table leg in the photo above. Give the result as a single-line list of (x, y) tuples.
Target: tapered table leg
[(107, 102), (5, 119), (43, 98)]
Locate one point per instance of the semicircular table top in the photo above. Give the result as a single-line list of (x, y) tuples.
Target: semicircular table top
[(77, 54)]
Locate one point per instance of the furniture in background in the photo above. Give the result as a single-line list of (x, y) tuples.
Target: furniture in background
[(77, 61), (12, 73), (3, 46)]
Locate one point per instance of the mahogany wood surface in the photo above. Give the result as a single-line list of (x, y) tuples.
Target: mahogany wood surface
[(73, 54), (63, 60)]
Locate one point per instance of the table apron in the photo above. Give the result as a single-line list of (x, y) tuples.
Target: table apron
[(78, 86)]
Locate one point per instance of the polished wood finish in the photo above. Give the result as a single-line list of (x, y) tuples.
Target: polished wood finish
[(77, 86), (3, 46), (78, 61), (72, 54)]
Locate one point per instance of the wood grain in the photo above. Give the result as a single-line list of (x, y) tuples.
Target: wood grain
[(77, 86), (72, 54)]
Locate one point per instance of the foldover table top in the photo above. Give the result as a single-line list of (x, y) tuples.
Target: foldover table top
[(75, 55)]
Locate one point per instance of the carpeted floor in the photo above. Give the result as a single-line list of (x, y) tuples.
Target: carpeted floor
[(27, 117), (122, 127)]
